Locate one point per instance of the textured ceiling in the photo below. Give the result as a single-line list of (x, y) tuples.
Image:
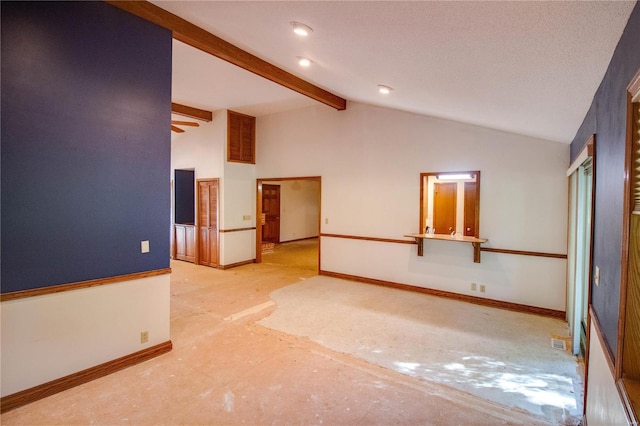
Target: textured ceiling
[(526, 67)]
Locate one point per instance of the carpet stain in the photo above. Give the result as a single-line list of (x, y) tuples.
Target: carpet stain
[(229, 397)]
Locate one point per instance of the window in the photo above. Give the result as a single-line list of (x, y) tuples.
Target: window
[(241, 138)]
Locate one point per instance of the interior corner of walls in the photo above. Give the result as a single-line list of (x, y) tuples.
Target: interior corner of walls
[(51, 336)]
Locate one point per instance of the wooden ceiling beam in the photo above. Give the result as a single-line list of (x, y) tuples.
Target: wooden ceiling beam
[(187, 111), (199, 38)]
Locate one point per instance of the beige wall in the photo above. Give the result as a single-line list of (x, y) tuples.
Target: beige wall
[(370, 160), (201, 148), (54, 335), (299, 209)]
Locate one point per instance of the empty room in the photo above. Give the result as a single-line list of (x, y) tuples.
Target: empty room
[(312, 212)]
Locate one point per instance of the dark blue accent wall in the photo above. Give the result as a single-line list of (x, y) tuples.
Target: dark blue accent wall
[(86, 106), (607, 119)]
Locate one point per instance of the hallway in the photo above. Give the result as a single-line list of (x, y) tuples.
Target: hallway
[(226, 367)]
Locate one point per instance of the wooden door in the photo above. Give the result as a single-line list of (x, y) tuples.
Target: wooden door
[(208, 222), (271, 212), (444, 207), (470, 211)]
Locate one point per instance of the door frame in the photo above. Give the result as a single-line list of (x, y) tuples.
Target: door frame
[(589, 151), (197, 220), (259, 183)]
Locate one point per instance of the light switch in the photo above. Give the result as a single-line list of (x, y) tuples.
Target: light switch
[(597, 276), (144, 246)]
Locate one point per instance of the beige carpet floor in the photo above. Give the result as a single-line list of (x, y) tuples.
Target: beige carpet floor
[(228, 369), (502, 356)]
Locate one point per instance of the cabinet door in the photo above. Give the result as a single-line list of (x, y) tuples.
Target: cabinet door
[(181, 242), (208, 222), (185, 243), (190, 243)]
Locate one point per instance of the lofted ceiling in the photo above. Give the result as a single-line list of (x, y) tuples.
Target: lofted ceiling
[(528, 67)]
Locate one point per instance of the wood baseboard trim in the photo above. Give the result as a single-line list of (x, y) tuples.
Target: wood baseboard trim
[(450, 295), (300, 239), (237, 230), (524, 253), (44, 390), (81, 284), (381, 240), (235, 265)]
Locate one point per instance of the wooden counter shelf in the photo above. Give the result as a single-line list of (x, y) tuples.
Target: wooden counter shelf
[(475, 242)]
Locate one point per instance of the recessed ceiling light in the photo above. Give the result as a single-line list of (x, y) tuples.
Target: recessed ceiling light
[(301, 29), (304, 62), (385, 90)]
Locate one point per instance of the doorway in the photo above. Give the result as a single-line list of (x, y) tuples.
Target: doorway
[(271, 213), (579, 273), (444, 207), (295, 202), (470, 210), (208, 222)]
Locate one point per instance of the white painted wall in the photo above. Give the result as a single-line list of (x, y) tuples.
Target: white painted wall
[(204, 149), (54, 335), (238, 198), (200, 148), (299, 209), (604, 406), (370, 159)]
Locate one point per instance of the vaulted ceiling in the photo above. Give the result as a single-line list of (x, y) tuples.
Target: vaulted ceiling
[(525, 67)]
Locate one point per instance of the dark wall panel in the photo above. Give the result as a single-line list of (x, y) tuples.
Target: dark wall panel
[(86, 105), (607, 119), (185, 200)]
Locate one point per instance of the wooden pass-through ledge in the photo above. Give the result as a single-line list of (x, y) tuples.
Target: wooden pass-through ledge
[(475, 242)]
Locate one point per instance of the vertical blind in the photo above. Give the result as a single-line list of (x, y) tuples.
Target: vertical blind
[(635, 159)]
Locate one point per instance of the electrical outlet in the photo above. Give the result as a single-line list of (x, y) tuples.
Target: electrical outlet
[(144, 336), (144, 246), (597, 276), (482, 288), (473, 286), (246, 217)]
